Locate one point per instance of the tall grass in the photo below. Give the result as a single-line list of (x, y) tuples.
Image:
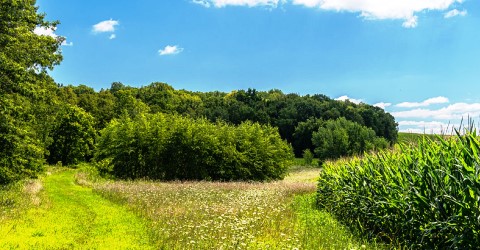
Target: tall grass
[(233, 215), (420, 196), (16, 198)]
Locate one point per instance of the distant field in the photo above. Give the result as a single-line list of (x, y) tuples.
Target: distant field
[(412, 137)]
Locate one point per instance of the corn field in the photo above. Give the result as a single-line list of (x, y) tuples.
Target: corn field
[(423, 195)]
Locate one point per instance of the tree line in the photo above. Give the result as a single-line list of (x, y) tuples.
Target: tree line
[(296, 117)]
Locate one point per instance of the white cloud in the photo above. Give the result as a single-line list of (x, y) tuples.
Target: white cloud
[(411, 22), (112, 36), (434, 127), (204, 3), (170, 50), (451, 112), (45, 31), (344, 98), (406, 10), (248, 3), (382, 9), (429, 127), (382, 105), (65, 43), (428, 102), (454, 13), (105, 26), (50, 31)]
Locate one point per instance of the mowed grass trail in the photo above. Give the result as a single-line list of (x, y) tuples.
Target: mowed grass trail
[(73, 217)]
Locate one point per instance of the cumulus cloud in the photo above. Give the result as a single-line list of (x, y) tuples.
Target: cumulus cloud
[(451, 112), (382, 105), (406, 10), (50, 31), (410, 22), (431, 127), (344, 98), (428, 102), (112, 36), (454, 13), (45, 31), (248, 3), (170, 50), (204, 3), (105, 26)]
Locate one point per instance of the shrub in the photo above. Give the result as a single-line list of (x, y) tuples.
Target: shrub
[(424, 196), (341, 137), (170, 147), (307, 157)]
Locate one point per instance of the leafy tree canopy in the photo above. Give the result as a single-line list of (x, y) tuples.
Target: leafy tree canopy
[(25, 87)]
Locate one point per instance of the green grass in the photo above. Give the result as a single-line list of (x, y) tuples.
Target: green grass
[(408, 138), (299, 163), (66, 216)]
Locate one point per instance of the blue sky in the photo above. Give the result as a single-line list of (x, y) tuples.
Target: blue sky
[(418, 58)]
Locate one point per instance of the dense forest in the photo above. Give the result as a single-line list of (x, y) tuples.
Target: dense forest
[(42, 121), (295, 116)]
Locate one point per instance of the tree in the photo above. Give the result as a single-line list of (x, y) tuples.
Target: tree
[(302, 137), (73, 137), (24, 87), (331, 141), (342, 137)]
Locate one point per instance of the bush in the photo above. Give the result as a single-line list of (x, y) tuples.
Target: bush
[(307, 157), (424, 196), (170, 147), (337, 138)]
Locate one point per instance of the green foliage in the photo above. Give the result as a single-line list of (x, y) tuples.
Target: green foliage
[(73, 136), (424, 196), (287, 112), (296, 117), (170, 147), (307, 157), (302, 137), (336, 138), (24, 84)]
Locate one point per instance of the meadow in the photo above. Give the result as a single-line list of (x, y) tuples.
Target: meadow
[(233, 215), (76, 209)]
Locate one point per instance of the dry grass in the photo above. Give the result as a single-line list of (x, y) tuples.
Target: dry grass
[(32, 188), (16, 198)]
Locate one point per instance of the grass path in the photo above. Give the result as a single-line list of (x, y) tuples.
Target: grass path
[(73, 217)]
